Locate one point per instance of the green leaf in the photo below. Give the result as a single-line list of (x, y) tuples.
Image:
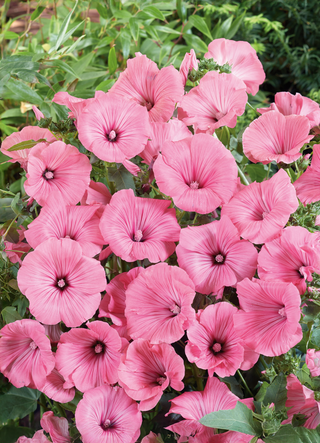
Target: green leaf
[(9, 35), (154, 12), (288, 434), (134, 28), (106, 85), (182, 10), (277, 393), (6, 213), (10, 314), (121, 177), (103, 12), (24, 92), (316, 337), (112, 61), (27, 76), (235, 26), (125, 39), (239, 419), (310, 311), (63, 29), (167, 30), (199, 23), (195, 42), (37, 12), (17, 403), (225, 27), (25, 145), (64, 66), (122, 15), (10, 434), (256, 172)]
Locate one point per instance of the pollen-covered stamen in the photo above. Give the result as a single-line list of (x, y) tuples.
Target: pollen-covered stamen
[(98, 348), (48, 175), (61, 283), (175, 309), (194, 185), (282, 312), (219, 258), (112, 136), (138, 235), (216, 347), (264, 214), (33, 345), (106, 424), (161, 380)]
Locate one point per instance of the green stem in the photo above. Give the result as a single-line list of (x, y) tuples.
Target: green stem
[(244, 382), (199, 381), (195, 218), (269, 167), (250, 106), (8, 229), (242, 177), (264, 364)]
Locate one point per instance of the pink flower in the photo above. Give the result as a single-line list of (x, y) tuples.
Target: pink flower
[(80, 223), (113, 128), (158, 304), (195, 405), (276, 137), (301, 400), (96, 193), (75, 104), (58, 174), (15, 251), (38, 114), (162, 132), (157, 90), (268, 321), (192, 172), (138, 228), (146, 370), (114, 302), (313, 362), (213, 343), (243, 60), (261, 210), (291, 258), (57, 427), (26, 356), (61, 283), (88, 358), (152, 438), (308, 184), (216, 102), (55, 389), (214, 256), (108, 415), (38, 437), (26, 134), (289, 104), (188, 63)]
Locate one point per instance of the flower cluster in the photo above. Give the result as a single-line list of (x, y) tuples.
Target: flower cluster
[(117, 310)]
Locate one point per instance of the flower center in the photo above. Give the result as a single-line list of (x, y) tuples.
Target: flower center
[(48, 175), (282, 312), (33, 345), (106, 424), (175, 309), (148, 105), (194, 185), (219, 259), (216, 347), (138, 235), (264, 214), (161, 380), (61, 283), (112, 136), (99, 347)]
